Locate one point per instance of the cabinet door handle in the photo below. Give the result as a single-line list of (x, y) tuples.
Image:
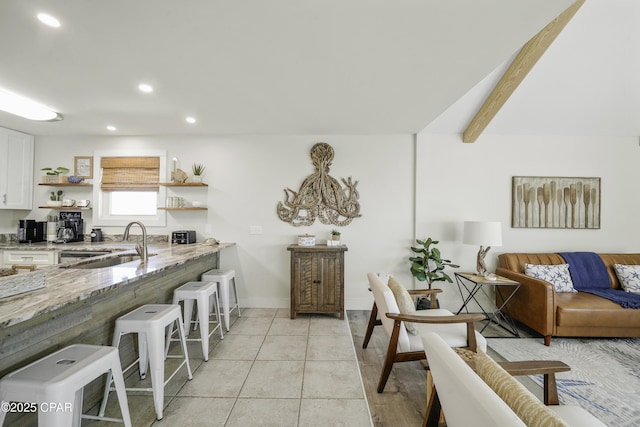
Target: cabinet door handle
[(4, 198), (317, 281)]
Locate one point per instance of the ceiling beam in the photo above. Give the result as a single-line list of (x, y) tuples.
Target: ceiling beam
[(517, 71)]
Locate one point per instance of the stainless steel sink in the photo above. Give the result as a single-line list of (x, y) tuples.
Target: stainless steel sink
[(106, 262)]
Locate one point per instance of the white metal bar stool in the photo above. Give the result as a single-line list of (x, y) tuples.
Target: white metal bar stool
[(205, 294), (149, 322), (55, 383), (224, 279)]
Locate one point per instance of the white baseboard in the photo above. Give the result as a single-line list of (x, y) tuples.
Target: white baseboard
[(350, 304)]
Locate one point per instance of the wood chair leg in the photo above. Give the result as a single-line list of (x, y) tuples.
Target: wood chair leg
[(386, 371), (390, 358), (373, 322), (432, 416), (550, 390)]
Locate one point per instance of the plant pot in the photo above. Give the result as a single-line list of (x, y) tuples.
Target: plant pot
[(54, 179), (425, 303), (56, 203), (197, 178)]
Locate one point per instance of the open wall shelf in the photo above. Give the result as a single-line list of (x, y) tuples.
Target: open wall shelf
[(183, 209), (184, 184), (64, 184)]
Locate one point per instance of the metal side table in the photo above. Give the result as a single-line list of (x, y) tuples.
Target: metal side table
[(472, 283)]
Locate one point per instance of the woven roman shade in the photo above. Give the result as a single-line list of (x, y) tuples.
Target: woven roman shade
[(130, 173)]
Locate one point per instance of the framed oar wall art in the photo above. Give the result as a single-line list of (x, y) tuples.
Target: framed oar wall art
[(555, 202)]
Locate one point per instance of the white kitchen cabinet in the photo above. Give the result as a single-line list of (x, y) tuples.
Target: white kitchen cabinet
[(10, 257), (16, 169)]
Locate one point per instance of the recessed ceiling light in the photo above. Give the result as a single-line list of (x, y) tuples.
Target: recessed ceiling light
[(145, 88), (25, 107), (48, 20), (111, 128), (190, 120)]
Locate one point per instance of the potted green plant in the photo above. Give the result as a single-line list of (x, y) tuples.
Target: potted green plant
[(55, 199), (55, 176), (428, 265), (198, 171), (335, 238)]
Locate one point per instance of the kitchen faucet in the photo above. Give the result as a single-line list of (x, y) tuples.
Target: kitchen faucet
[(141, 249)]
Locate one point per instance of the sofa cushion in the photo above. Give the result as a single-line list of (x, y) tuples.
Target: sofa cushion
[(406, 304), (558, 275), (584, 310), (629, 277), (521, 401)]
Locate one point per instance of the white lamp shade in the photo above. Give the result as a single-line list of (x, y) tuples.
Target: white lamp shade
[(482, 233)]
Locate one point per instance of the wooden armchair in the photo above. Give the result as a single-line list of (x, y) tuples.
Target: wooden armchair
[(374, 320), (456, 384), (457, 331)]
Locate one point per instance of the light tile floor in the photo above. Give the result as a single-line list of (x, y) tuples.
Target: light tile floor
[(268, 370)]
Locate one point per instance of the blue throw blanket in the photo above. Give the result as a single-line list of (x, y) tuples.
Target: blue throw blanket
[(589, 274)]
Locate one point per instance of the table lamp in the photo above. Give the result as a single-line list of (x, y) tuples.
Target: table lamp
[(482, 233)]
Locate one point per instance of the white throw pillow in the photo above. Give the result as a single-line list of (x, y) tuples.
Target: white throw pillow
[(558, 275), (629, 277), (406, 304)]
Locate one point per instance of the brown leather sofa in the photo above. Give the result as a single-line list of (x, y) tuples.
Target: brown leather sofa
[(559, 314)]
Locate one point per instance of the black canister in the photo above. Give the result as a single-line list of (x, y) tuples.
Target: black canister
[(26, 230), (96, 235)]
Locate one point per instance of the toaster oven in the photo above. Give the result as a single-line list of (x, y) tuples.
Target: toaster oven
[(183, 237)]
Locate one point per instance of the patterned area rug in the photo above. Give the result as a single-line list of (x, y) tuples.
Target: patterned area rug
[(604, 377)]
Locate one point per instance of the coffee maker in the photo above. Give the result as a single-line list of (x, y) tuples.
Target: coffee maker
[(70, 227), (30, 231)]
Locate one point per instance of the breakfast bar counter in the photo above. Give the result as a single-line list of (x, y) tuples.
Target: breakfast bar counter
[(80, 305)]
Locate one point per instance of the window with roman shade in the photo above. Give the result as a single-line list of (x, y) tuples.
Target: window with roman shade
[(130, 173)]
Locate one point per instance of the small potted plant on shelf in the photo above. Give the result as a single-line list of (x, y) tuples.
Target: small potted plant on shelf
[(55, 199), (55, 176), (198, 171)]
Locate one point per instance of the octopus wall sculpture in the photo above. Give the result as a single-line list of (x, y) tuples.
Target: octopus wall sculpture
[(321, 196)]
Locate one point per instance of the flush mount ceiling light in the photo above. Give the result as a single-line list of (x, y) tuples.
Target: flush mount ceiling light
[(25, 107), (112, 128), (146, 88), (191, 120), (49, 20)]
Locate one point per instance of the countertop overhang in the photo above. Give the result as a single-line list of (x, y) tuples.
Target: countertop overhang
[(65, 285)]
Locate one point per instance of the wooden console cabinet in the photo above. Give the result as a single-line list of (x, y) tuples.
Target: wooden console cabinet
[(317, 279)]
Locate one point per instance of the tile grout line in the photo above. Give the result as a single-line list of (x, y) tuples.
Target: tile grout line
[(235, 402)]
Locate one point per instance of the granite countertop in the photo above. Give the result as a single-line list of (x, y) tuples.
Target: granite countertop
[(76, 246), (66, 286)]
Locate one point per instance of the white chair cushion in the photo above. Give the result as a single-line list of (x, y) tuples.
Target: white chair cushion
[(455, 335)]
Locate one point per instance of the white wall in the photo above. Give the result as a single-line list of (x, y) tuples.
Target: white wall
[(457, 182), (247, 176), (454, 182)]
